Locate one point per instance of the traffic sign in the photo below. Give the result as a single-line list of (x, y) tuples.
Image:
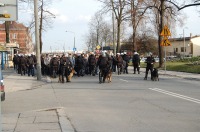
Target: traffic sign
[(165, 31), (4, 15), (8, 10), (165, 42), (74, 49)]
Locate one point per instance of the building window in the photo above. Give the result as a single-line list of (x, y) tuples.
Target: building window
[(14, 36), (182, 49), (176, 50)]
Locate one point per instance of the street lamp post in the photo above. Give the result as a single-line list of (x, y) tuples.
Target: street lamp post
[(74, 48), (184, 47), (183, 43)]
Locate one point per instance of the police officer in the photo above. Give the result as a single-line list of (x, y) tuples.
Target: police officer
[(150, 64), (92, 63), (79, 65), (104, 65), (65, 67), (126, 59), (119, 60), (54, 63), (136, 62), (30, 65)]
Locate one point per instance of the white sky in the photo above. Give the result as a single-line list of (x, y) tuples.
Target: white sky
[(74, 15)]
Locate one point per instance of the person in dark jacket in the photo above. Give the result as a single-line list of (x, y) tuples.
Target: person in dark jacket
[(79, 65), (15, 62), (119, 60), (92, 63), (150, 64), (104, 65), (30, 66), (22, 63), (65, 67), (54, 63), (126, 58), (136, 62)]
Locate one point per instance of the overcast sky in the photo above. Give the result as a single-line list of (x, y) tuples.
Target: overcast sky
[(74, 15)]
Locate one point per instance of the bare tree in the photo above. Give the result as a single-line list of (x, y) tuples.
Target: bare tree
[(135, 18), (99, 33), (162, 6), (45, 17), (119, 7)]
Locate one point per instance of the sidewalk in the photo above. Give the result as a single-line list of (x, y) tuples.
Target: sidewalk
[(47, 120)]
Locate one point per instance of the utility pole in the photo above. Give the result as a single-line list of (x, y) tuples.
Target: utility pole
[(113, 22), (183, 43), (37, 41)]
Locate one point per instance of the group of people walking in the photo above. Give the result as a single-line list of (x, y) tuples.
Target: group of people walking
[(25, 64), (90, 64)]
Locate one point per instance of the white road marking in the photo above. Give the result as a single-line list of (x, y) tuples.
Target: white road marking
[(176, 95), (123, 80)]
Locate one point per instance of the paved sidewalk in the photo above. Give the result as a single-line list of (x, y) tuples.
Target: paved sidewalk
[(48, 120), (53, 120)]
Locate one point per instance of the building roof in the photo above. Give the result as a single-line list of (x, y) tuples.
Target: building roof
[(182, 39), (13, 26)]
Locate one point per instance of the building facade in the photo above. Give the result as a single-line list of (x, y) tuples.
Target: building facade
[(184, 47), (18, 34)]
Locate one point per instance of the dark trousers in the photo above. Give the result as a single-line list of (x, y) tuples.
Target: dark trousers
[(147, 70), (31, 70), (136, 67)]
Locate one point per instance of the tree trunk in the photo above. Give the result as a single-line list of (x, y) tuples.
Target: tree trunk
[(7, 25), (40, 28), (118, 36), (160, 37)]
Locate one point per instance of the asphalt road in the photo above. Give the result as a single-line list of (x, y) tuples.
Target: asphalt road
[(127, 104)]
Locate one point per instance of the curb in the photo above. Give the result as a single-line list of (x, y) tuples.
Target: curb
[(65, 124)]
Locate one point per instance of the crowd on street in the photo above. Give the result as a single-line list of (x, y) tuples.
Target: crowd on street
[(81, 63)]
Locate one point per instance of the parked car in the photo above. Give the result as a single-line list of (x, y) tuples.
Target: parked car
[(2, 86), (143, 59)]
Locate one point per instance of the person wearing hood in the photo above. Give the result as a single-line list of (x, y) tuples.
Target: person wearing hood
[(136, 62)]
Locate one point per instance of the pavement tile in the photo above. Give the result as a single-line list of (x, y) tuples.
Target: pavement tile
[(37, 126), (9, 118), (48, 119), (8, 127), (38, 113)]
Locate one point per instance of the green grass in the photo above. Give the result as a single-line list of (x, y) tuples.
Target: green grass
[(178, 66), (183, 67), (190, 65)]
